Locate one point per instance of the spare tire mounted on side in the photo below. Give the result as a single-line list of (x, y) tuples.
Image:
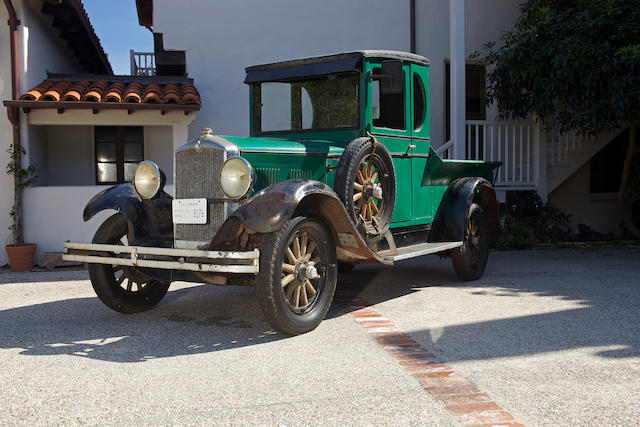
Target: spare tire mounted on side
[(366, 184)]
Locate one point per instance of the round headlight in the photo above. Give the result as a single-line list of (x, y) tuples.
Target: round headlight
[(147, 179), (235, 177)]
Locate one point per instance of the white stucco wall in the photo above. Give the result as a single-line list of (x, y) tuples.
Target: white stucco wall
[(602, 212), (53, 212), (6, 131), (40, 50), (158, 147), (54, 215), (485, 21), (43, 49), (223, 37), (70, 156)]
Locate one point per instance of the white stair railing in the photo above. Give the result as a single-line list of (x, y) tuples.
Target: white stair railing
[(445, 151), (561, 145), (515, 144)]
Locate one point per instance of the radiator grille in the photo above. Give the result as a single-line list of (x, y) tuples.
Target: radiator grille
[(197, 176)]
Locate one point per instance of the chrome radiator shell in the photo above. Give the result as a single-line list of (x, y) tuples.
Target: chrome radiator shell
[(197, 175)]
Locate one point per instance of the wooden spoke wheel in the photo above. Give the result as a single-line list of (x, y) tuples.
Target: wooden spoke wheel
[(368, 192), (121, 288), (300, 278), (470, 260), (366, 183), (298, 272)]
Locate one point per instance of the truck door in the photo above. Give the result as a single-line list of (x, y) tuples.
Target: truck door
[(420, 143), (390, 125)]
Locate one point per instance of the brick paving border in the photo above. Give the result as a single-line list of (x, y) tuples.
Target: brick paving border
[(459, 396)]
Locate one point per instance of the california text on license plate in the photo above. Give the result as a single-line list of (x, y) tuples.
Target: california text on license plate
[(189, 211)]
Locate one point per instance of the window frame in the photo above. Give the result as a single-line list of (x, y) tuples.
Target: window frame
[(418, 88), (405, 100), (256, 103), (482, 115), (120, 149)]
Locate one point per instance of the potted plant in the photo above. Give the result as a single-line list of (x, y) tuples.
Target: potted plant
[(21, 255)]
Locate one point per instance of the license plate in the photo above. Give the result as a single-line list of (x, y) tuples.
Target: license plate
[(189, 211)]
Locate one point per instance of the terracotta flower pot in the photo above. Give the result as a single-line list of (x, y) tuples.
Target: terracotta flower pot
[(21, 257)]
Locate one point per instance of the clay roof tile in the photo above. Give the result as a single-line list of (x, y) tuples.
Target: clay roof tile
[(75, 92), (36, 93), (55, 92), (114, 92), (152, 93), (69, 89), (133, 92)]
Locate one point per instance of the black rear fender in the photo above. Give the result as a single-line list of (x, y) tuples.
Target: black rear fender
[(449, 222)]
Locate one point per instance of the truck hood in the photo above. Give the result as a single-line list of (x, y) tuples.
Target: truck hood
[(286, 146)]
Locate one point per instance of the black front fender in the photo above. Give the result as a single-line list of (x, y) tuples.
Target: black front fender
[(267, 212), (451, 215), (269, 209), (149, 220)]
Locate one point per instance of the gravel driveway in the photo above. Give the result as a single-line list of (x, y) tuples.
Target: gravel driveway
[(550, 336)]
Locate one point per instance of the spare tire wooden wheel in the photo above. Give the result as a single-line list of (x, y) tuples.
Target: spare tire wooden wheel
[(298, 273), (366, 184)]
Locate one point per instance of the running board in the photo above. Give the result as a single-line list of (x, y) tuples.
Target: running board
[(419, 250)]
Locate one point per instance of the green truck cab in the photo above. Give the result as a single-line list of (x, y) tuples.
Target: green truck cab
[(338, 170)]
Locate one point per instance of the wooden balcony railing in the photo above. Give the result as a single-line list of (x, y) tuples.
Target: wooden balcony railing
[(142, 63)]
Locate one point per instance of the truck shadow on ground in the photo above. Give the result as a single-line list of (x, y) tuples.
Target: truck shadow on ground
[(604, 290), (194, 320), (202, 319)]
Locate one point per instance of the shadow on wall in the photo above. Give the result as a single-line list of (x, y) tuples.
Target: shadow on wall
[(203, 319)]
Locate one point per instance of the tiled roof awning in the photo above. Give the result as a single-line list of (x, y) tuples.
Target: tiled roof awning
[(111, 92)]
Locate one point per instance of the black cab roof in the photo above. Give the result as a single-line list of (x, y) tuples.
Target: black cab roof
[(342, 62)]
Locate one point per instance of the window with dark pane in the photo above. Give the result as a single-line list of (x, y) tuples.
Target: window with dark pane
[(475, 91), (607, 165), (118, 151), (388, 109), (419, 102)]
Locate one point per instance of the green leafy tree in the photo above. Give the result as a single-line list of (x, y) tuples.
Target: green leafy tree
[(575, 64)]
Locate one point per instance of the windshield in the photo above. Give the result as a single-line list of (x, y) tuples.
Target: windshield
[(319, 103)]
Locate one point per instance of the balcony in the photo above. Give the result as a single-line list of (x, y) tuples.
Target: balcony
[(142, 63)]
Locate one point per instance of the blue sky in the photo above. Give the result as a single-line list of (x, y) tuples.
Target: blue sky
[(116, 23)]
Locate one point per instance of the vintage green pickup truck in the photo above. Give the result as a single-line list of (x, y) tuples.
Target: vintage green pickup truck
[(338, 171)]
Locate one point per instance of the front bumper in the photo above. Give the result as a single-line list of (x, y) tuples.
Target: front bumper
[(164, 258)]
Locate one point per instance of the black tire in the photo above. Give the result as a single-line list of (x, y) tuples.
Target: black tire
[(379, 173), (470, 260), (114, 285), (284, 307)]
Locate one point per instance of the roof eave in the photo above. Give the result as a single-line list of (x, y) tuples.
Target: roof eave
[(84, 18), (77, 105), (145, 12)]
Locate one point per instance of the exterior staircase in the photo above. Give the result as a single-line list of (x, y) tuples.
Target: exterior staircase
[(531, 159), (566, 153)]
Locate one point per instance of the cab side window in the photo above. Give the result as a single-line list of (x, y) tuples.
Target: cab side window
[(419, 102), (388, 109)]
